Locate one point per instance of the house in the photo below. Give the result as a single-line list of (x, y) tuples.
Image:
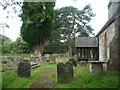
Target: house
[(109, 38)]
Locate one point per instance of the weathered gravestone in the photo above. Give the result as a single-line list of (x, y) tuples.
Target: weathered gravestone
[(37, 60), (19, 59), (32, 60), (82, 64), (64, 72), (96, 67), (44, 59), (4, 60), (24, 68), (52, 59), (73, 61), (11, 61)]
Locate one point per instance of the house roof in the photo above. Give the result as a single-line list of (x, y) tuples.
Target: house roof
[(86, 42)]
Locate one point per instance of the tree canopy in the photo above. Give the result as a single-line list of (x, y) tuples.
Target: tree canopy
[(71, 22), (37, 24), (37, 21)]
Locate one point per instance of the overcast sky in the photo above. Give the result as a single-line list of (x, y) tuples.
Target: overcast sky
[(99, 8)]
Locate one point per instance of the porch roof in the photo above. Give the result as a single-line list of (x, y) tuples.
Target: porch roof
[(86, 42)]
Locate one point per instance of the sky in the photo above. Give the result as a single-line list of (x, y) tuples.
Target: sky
[(99, 8)]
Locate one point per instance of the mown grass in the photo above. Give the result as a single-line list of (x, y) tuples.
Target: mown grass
[(84, 79), (12, 80)]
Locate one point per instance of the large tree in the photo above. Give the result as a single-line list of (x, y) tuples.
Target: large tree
[(37, 24), (71, 22)]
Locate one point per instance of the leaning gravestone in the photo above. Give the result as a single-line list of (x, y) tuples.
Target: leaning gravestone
[(24, 68), (11, 61), (64, 72)]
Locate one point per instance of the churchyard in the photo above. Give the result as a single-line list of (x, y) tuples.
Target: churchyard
[(61, 73), (57, 48)]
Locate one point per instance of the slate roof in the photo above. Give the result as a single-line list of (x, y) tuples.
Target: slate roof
[(86, 42)]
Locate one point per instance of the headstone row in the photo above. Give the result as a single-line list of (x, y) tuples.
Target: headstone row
[(11, 60)]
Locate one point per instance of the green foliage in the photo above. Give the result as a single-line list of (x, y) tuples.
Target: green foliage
[(56, 47), (6, 47), (72, 22), (37, 20), (21, 46), (3, 38), (17, 47)]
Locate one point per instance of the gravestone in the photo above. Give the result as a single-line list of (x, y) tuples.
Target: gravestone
[(4, 60), (32, 60), (96, 67), (19, 59), (24, 68), (11, 61), (64, 72), (82, 64), (44, 59), (52, 59), (37, 59), (73, 61)]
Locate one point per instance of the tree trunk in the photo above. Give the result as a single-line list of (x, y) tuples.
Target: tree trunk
[(70, 50), (38, 48)]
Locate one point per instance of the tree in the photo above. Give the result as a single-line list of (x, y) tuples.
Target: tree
[(37, 24), (3, 38), (6, 47), (72, 22), (20, 46)]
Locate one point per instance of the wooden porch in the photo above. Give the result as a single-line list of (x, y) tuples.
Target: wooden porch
[(87, 49)]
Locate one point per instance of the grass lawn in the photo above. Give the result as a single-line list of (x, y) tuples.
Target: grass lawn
[(82, 79), (12, 80)]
